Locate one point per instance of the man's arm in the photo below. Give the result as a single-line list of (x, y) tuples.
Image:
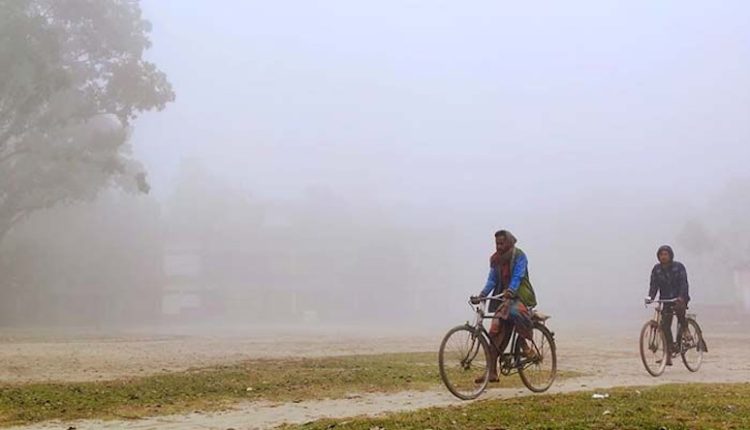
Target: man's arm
[(519, 270), (654, 287), (682, 286), (491, 283)]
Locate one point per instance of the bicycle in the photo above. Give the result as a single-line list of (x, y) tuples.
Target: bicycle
[(464, 355), (689, 343)]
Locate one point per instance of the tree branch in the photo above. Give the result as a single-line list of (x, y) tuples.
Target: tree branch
[(12, 154), (23, 213)]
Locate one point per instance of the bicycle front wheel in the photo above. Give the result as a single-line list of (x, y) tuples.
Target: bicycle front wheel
[(539, 369), (653, 348), (464, 362), (691, 348)]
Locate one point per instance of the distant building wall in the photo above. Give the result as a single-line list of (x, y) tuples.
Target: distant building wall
[(184, 287)]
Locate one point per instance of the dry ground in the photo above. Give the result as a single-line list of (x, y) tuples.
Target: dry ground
[(606, 354)]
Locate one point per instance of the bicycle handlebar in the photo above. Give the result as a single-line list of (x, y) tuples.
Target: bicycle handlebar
[(648, 301), (475, 300)]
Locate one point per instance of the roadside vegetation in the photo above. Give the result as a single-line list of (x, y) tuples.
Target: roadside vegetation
[(672, 407)]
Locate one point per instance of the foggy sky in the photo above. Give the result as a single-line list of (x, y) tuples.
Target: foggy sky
[(541, 117), (421, 103)]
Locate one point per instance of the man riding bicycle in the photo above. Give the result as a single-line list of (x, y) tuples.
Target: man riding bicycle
[(509, 276), (669, 279)]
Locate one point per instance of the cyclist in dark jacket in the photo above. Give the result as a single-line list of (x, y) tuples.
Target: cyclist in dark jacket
[(669, 279)]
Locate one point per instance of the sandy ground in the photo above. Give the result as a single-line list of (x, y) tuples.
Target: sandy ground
[(608, 356), (90, 356)]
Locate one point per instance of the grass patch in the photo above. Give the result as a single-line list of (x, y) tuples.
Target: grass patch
[(676, 406), (219, 387)]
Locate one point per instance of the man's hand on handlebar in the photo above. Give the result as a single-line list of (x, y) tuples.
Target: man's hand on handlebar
[(507, 295), (648, 300)]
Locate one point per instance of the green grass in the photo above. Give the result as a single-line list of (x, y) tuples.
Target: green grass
[(219, 387), (677, 406)]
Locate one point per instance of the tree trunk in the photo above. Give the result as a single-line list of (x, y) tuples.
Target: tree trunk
[(4, 229)]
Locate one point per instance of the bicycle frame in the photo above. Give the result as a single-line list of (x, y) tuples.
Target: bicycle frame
[(535, 365), (509, 362), (687, 337), (658, 311)]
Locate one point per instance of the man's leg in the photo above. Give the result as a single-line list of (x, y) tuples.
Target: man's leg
[(680, 309), (528, 352), (666, 326), (495, 334), (499, 333), (504, 337)]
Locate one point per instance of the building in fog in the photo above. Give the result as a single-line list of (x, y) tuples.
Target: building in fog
[(182, 275), (188, 294)]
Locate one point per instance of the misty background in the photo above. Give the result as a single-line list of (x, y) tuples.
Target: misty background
[(341, 162)]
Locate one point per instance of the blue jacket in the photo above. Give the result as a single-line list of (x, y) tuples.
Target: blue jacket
[(519, 283), (519, 270)]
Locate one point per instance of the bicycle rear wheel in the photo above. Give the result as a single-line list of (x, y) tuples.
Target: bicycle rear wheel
[(538, 373), (653, 347), (464, 362), (691, 341)]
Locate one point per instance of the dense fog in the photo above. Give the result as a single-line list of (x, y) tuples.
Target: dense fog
[(336, 162)]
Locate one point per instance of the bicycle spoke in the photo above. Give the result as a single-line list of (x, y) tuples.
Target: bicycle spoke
[(463, 360), (653, 352), (690, 338), (539, 372)]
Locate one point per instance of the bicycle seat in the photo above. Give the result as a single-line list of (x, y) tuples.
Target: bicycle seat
[(538, 316)]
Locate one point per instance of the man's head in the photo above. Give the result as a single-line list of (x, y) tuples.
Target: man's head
[(665, 254), (504, 241)]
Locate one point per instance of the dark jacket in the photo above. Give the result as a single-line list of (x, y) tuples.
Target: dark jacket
[(670, 281)]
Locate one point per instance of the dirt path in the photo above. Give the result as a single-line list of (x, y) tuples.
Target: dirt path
[(606, 360)]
